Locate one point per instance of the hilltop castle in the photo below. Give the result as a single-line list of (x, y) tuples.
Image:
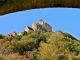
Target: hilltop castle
[(41, 25)]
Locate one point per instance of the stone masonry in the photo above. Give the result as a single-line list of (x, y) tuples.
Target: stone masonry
[(41, 25)]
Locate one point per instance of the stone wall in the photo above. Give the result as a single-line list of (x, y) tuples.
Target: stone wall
[(42, 26), (34, 26), (41, 22), (28, 29)]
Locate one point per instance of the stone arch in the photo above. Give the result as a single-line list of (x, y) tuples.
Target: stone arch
[(11, 6)]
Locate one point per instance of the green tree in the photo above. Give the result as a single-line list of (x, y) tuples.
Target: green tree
[(18, 37), (24, 33), (76, 58), (54, 49), (2, 36)]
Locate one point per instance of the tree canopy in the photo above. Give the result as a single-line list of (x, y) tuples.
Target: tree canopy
[(40, 45)]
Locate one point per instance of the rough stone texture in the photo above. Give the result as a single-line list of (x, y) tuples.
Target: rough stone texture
[(41, 22), (10, 6), (18, 33), (42, 26), (13, 34), (34, 26), (28, 29)]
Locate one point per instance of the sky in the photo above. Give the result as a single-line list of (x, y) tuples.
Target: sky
[(64, 19)]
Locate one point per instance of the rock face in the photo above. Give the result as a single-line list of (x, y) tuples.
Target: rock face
[(41, 25)]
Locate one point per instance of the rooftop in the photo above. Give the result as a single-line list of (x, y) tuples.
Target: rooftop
[(29, 28)]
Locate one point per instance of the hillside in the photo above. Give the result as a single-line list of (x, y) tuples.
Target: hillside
[(40, 45)]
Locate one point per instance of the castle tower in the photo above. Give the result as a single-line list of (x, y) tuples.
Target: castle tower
[(41, 22), (34, 26)]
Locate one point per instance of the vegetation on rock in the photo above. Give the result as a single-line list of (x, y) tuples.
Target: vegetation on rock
[(40, 45)]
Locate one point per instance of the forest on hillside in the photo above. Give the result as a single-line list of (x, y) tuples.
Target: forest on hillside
[(40, 45)]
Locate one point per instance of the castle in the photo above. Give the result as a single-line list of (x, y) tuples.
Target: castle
[(41, 25)]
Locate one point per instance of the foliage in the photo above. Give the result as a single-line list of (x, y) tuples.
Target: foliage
[(2, 36), (24, 33), (76, 58), (40, 45), (8, 38), (18, 37)]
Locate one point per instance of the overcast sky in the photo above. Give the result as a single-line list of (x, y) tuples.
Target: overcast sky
[(65, 19)]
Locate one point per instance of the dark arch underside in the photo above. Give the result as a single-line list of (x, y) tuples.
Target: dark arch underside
[(11, 6)]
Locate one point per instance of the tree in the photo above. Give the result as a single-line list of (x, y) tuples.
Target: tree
[(76, 58), (8, 38), (2, 36), (54, 49), (24, 33), (18, 37)]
